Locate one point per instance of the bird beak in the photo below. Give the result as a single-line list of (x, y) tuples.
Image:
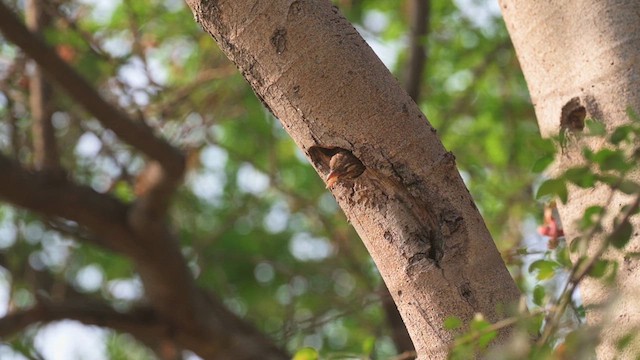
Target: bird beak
[(332, 178)]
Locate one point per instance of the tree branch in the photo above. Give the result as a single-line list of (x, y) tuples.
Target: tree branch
[(57, 197), (164, 173), (199, 321), (417, 48), (154, 187), (136, 134), (144, 323), (40, 98), (406, 164), (150, 245), (202, 322)]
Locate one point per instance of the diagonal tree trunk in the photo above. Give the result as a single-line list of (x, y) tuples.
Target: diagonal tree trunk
[(420, 11), (409, 205), (580, 59)]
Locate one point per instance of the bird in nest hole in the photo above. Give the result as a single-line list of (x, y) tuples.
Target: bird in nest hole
[(343, 166)]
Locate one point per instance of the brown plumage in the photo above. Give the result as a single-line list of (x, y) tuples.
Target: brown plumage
[(343, 165)]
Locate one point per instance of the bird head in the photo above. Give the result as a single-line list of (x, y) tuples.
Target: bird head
[(343, 165)]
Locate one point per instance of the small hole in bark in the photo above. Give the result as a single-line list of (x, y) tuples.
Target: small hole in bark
[(573, 115), (337, 164), (320, 156)]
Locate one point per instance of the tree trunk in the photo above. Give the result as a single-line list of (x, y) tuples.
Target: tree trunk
[(45, 150), (580, 59), (313, 70)]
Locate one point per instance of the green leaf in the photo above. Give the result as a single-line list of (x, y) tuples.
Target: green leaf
[(611, 180), (612, 273), (621, 235), (576, 244), (542, 163), (581, 176), (368, 345), (624, 341), (485, 339), (628, 208), (539, 293), (461, 352), (591, 216), (535, 324), (562, 137), (633, 115), (596, 128), (452, 323), (544, 269), (480, 325), (620, 134), (599, 269), (562, 257), (588, 154), (123, 191), (629, 187), (306, 354), (553, 187), (609, 159)]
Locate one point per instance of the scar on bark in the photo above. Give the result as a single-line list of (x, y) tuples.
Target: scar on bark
[(279, 40)]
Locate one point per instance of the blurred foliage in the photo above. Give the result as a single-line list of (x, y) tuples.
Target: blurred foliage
[(254, 219), (553, 326)]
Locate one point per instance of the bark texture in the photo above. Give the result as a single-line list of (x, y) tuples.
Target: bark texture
[(410, 206), (580, 59)]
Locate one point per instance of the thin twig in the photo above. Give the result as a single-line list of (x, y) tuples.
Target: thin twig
[(504, 323), (580, 271)]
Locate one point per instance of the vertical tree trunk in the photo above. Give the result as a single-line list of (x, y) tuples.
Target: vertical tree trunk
[(580, 58), (40, 98), (409, 206)]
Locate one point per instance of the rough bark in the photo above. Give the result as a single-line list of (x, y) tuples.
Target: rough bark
[(410, 206), (580, 59), (420, 11)]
